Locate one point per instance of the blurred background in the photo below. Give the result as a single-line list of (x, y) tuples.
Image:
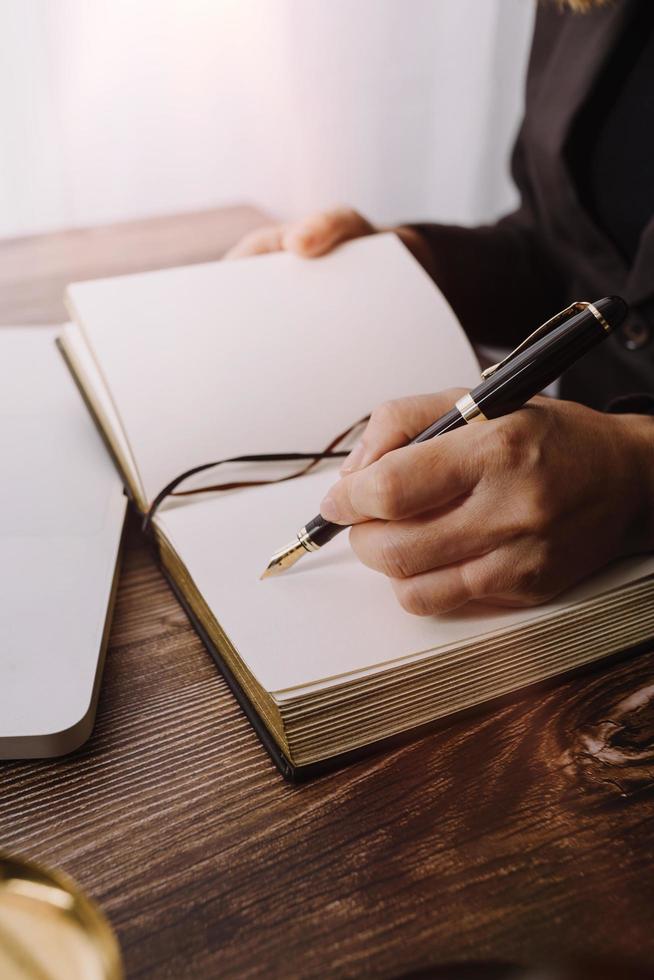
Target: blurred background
[(119, 109)]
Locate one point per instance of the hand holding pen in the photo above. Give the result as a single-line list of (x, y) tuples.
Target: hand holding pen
[(511, 511)]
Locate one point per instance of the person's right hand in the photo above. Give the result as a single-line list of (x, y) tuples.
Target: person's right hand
[(320, 233)]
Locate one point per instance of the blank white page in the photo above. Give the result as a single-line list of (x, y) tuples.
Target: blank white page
[(268, 354), (329, 615), (62, 509)]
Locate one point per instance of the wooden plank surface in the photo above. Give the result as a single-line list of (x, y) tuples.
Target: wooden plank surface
[(524, 834)]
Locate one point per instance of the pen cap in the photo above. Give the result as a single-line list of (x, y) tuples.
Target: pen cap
[(538, 365)]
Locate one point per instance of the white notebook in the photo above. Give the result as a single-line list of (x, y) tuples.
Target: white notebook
[(62, 510), (277, 354)]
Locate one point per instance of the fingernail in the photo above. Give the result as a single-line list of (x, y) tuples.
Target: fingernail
[(329, 509), (355, 459)]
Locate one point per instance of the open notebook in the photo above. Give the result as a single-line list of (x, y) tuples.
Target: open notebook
[(276, 354)]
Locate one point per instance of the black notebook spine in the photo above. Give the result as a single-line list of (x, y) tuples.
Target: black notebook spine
[(300, 774), (284, 765), (292, 773)]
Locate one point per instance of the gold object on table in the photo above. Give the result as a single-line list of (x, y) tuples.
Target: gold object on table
[(49, 930)]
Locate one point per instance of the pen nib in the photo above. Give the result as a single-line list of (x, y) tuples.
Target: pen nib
[(284, 558)]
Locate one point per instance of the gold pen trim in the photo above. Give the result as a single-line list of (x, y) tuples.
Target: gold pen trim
[(598, 316), (470, 410), (305, 540), (288, 556), (544, 329)]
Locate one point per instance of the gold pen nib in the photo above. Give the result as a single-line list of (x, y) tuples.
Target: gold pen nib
[(285, 558)]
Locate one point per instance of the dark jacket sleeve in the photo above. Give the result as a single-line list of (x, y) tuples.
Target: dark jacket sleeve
[(501, 280), (642, 404)]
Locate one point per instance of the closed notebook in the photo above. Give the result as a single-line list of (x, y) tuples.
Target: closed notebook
[(276, 354), (62, 510)]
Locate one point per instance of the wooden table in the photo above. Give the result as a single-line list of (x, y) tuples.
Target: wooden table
[(524, 834)]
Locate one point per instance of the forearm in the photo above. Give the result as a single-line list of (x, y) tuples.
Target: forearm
[(639, 436)]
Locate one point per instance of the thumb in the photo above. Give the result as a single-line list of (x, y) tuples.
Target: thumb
[(395, 423), (321, 232)]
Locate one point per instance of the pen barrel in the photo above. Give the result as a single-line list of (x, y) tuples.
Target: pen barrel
[(319, 531), (542, 362), (510, 386), (446, 423)]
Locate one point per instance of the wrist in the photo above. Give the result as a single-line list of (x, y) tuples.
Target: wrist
[(416, 243), (637, 435)]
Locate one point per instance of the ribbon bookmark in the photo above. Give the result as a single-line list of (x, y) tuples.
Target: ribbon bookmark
[(330, 452)]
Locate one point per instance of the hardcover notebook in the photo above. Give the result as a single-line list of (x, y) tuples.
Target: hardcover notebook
[(62, 510), (277, 354)]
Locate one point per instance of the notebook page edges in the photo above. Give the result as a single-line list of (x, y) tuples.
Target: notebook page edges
[(268, 354), (330, 617), (577, 624), (88, 377)]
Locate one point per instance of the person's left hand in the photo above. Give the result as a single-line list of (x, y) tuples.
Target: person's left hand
[(509, 512)]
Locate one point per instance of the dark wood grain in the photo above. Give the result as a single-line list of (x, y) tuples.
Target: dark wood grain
[(523, 834), (34, 271)]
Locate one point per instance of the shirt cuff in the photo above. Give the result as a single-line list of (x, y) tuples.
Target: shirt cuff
[(641, 404)]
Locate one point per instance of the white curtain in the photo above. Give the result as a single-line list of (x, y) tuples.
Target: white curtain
[(114, 109)]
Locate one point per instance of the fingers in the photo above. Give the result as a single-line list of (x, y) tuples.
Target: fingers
[(258, 242), (406, 482), (395, 423), (321, 232), (438, 591), (486, 578), (506, 576), (402, 549), (309, 238)]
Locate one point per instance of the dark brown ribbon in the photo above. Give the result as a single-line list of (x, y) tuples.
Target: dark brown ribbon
[(330, 452)]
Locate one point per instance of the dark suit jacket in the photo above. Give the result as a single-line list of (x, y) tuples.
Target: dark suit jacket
[(504, 279)]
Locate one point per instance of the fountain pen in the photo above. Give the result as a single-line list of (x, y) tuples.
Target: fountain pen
[(505, 387)]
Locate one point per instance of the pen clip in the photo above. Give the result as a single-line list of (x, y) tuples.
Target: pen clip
[(539, 332)]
